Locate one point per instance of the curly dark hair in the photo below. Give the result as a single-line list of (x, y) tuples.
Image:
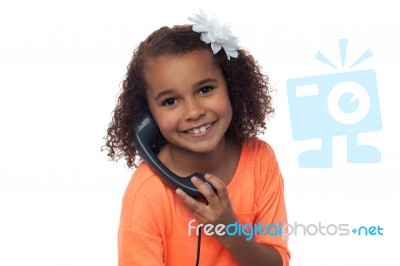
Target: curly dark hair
[(249, 91)]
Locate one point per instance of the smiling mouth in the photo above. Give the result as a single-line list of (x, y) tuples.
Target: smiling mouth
[(199, 130)]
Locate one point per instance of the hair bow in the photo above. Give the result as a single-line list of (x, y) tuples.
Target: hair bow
[(219, 35)]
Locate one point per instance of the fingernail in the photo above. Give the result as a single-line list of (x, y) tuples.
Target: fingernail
[(194, 179)]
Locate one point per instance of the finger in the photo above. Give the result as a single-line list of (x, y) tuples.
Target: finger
[(219, 185), (195, 206), (205, 190)]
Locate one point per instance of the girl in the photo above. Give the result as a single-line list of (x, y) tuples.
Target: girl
[(209, 100)]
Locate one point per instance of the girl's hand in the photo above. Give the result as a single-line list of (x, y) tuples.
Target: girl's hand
[(218, 210)]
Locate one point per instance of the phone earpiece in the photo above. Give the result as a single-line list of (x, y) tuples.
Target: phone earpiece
[(145, 134)]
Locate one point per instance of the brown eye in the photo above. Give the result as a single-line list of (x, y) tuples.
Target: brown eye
[(205, 90), (169, 102)]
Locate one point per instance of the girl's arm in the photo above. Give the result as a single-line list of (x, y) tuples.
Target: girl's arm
[(219, 211), (252, 253)]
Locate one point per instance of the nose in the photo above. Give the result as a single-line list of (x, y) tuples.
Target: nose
[(194, 110)]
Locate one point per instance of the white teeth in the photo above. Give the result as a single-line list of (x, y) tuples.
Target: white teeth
[(200, 129)]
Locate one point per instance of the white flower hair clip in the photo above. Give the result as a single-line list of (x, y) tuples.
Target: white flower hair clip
[(219, 35)]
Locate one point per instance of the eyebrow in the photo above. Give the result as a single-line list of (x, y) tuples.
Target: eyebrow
[(164, 93), (197, 84)]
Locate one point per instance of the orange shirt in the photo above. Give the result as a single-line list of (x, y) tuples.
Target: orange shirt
[(154, 221)]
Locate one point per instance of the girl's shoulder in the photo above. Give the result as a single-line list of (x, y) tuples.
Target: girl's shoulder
[(257, 158), (145, 194), (258, 147), (144, 182), (142, 175)]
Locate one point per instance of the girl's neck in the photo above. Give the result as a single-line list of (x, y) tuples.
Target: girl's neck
[(221, 162)]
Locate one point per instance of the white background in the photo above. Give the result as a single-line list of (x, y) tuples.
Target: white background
[(61, 64)]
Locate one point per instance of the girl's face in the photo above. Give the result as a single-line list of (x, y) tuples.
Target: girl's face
[(188, 98)]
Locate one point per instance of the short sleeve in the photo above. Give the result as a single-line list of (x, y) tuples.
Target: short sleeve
[(271, 204), (139, 236)]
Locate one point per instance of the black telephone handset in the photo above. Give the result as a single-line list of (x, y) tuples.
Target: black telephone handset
[(145, 134)]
